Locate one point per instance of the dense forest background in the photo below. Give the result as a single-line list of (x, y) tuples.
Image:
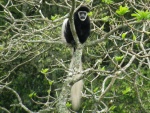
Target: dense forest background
[(34, 61)]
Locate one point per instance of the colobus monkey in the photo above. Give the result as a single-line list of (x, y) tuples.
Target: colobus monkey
[(82, 26)]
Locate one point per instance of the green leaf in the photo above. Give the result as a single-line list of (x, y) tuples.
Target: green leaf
[(68, 105), (112, 107), (88, 1), (54, 17), (103, 68), (127, 90), (32, 94), (122, 10), (44, 71), (124, 35), (119, 58), (90, 13), (134, 37), (96, 89), (107, 1), (141, 15), (48, 91), (1, 47), (50, 82), (105, 19)]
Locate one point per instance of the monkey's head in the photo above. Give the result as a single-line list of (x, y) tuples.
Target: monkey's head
[(83, 13)]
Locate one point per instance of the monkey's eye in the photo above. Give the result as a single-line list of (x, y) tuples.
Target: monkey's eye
[(82, 13)]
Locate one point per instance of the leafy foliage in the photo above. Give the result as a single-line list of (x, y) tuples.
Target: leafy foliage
[(142, 15), (90, 14), (123, 35), (34, 60), (122, 10), (107, 1)]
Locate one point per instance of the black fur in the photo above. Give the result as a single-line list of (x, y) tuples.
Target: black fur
[(82, 28)]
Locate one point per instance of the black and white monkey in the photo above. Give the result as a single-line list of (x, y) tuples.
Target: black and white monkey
[(82, 26)]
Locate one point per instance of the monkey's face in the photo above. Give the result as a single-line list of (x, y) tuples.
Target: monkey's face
[(82, 15)]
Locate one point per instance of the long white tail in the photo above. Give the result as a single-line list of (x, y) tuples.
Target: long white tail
[(76, 90), (76, 94)]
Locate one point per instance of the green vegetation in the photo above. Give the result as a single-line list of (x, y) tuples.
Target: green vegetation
[(34, 61)]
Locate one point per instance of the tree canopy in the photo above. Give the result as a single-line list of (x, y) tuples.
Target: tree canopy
[(35, 61)]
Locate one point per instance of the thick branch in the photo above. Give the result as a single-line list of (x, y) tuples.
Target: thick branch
[(61, 105)]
